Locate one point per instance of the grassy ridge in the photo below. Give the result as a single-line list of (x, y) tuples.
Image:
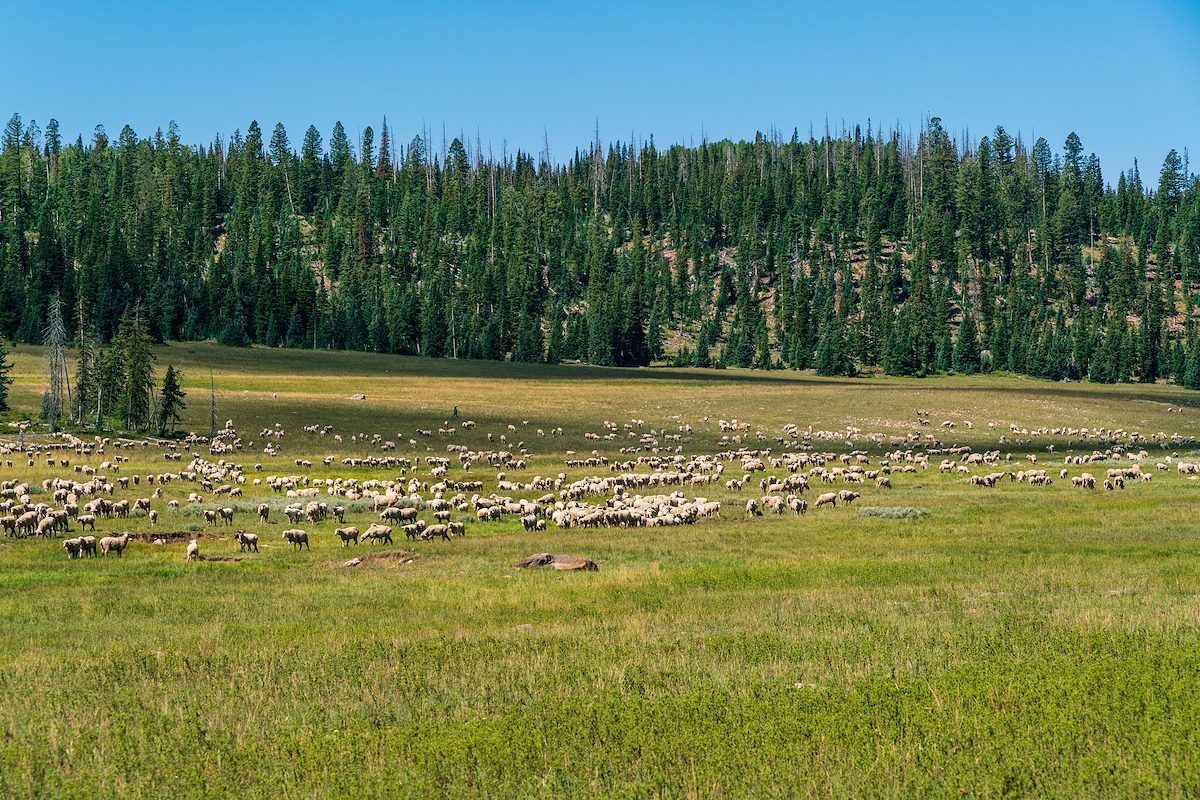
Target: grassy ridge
[(1014, 642)]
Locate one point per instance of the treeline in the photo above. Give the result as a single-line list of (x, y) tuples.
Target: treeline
[(842, 252)]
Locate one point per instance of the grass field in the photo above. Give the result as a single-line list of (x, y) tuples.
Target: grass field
[(1016, 641)]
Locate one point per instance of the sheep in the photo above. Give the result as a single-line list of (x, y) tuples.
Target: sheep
[(434, 531), (264, 511), (73, 547), (883, 482), (378, 533), (115, 544), (9, 524), (347, 535), (460, 529), (339, 513), (847, 497), (298, 538), (799, 507), (88, 544), (153, 517), (210, 517), (46, 526), (247, 541), (829, 498), (193, 551), (752, 508), (226, 515), (86, 521)]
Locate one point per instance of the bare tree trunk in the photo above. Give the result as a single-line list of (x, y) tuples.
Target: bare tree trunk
[(55, 338)]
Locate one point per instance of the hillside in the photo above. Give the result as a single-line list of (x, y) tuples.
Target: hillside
[(857, 250)]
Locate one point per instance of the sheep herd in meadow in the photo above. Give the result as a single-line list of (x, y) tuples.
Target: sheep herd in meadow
[(642, 479)]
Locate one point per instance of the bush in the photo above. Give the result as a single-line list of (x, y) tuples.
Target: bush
[(893, 512)]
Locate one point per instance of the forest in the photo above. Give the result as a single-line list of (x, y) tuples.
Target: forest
[(844, 252)]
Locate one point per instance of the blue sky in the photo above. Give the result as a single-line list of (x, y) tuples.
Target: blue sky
[(1125, 76)]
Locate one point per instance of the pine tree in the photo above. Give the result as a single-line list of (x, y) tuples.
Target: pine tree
[(137, 361), (5, 381), (170, 402), (966, 349)]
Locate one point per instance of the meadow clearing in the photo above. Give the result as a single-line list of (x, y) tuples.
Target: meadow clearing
[(1013, 641)]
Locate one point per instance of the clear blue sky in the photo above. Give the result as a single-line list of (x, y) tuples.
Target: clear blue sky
[(1125, 76)]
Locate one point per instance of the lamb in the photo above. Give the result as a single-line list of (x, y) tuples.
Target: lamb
[(193, 551), (87, 521), (153, 517), (9, 524), (210, 517), (73, 547), (829, 498), (264, 511), (347, 535), (115, 544), (226, 515), (339, 513), (460, 529), (247, 541), (298, 538)]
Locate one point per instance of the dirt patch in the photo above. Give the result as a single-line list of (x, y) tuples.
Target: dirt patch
[(166, 536), (221, 558), (386, 556)]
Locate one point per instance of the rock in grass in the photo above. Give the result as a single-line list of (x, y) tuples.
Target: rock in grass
[(554, 561)]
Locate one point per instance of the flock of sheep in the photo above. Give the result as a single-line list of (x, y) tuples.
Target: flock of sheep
[(650, 481)]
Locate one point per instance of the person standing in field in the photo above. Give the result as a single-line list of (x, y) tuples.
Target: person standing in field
[(456, 412)]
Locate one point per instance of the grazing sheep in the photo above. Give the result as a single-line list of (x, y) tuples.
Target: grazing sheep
[(73, 547), (9, 524), (193, 551), (153, 517), (883, 482), (339, 513), (226, 515), (115, 544), (378, 533), (264, 511), (210, 517), (247, 541), (829, 498), (847, 497), (347, 535), (298, 538), (87, 521), (434, 531), (460, 529), (752, 509), (88, 544)]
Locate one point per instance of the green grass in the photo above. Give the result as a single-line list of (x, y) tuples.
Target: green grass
[(1016, 641)]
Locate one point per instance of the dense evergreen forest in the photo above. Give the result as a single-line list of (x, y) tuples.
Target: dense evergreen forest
[(841, 253)]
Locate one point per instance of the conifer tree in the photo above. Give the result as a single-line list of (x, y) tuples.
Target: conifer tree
[(5, 381), (170, 402)]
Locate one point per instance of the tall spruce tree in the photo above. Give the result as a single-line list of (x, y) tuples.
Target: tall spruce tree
[(170, 402)]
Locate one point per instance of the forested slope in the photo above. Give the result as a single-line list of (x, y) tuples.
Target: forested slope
[(839, 252)]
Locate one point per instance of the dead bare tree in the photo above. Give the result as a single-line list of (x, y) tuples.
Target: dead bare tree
[(55, 338)]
